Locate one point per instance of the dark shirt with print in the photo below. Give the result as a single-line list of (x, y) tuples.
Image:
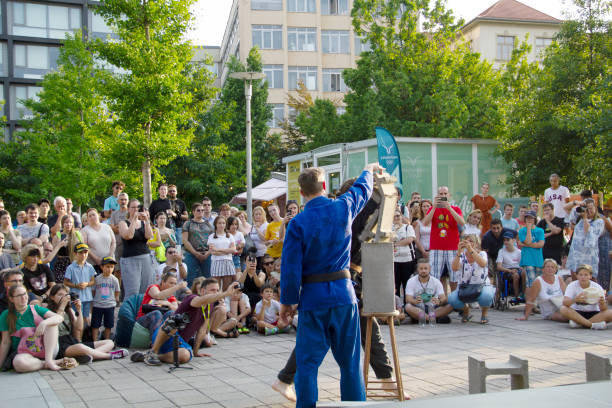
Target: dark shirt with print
[(37, 281)]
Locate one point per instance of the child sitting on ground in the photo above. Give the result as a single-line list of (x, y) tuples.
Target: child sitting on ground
[(267, 311), (106, 293), (239, 308)]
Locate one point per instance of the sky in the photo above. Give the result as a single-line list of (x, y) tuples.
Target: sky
[(211, 16)]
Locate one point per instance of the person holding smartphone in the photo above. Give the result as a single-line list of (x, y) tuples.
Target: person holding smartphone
[(291, 210)]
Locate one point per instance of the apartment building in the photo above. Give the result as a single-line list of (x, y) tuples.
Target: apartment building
[(307, 40), (496, 31)]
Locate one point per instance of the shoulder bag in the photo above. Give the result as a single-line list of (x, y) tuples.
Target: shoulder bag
[(469, 292)]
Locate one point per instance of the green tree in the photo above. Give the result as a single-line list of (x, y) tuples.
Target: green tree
[(160, 92), (563, 124)]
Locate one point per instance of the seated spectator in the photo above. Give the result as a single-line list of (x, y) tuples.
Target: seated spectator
[(509, 262), (472, 224), (425, 298), (12, 237), (585, 310), (252, 281), (204, 311), (64, 241), (79, 278), (10, 278), (20, 320), (33, 228), (267, 312), (6, 261), (106, 293), (547, 291), (399, 306), (71, 329), (161, 297), (268, 265), (239, 308), (472, 262), (507, 220), (493, 241), (37, 277), (274, 278)]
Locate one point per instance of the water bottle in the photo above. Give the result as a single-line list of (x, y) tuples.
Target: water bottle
[(422, 320), (431, 315)]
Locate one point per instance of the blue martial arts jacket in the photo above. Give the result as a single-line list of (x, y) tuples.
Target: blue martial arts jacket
[(318, 240)]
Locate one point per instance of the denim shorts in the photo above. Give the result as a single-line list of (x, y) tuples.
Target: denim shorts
[(532, 273)]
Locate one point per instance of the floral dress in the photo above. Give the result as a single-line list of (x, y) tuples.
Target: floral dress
[(605, 246), (584, 249)]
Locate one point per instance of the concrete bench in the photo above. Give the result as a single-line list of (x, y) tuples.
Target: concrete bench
[(597, 368), (479, 370)]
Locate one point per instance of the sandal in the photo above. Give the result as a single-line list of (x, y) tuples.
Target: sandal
[(466, 319), (220, 335), (68, 363), (484, 320)]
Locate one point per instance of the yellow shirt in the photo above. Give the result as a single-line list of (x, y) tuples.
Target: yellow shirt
[(273, 232)]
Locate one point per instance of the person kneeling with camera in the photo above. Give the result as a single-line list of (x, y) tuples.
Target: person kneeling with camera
[(195, 315)]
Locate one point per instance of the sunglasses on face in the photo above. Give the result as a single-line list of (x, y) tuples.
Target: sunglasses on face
[(268, 263)]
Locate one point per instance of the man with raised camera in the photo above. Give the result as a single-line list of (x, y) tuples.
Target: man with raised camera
[(194, 317)]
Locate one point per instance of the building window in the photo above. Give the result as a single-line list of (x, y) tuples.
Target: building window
[(361, 45), (34, 61), (268, 37), (301, 6), (293, 113), (332, 81), (98, 27), (46, 21), (505, 45), (18, 94), (302, 39), (308, 75), (335, 42), (274, 73), (541, 43), (266, 4), (3, 61), (278, 115), (335, 7)]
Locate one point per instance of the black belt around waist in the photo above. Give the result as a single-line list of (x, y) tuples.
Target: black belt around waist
[(326, 277)]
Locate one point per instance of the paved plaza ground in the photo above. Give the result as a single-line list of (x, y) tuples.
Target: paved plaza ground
[(433, 363)]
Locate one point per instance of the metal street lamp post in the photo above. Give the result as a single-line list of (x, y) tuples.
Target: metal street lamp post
[(248, 78)]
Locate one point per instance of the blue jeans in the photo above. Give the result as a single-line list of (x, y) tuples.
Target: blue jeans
[(338, 328), (196, 268), (484, 300), (178, 231)]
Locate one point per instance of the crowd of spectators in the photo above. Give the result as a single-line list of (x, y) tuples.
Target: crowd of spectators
[(64, 276)]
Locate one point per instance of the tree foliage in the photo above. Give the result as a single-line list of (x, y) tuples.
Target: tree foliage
[(560, 115)]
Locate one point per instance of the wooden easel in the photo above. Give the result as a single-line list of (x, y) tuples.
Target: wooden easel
[(399, 388)]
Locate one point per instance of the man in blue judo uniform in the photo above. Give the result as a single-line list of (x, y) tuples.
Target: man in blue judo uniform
[(315, 275)]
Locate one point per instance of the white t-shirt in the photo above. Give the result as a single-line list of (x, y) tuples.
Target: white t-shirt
[(271, 313), (403, 253), (471, 230), (474, 273), (221, 242), (574, 289), (160, 270), (100, 241), (243, 298), (259, 243), (509, 260), (238, 238), (557, 198), (414, 287)]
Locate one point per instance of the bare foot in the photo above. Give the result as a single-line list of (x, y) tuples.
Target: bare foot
[(285, 390), (388, 385), (51, 365)]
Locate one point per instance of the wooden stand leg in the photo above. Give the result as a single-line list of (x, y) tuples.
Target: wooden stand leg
[(396, 364), (368, 348)]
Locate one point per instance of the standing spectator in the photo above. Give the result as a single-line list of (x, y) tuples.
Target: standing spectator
[(557, 195), (232, 228), (100, 239), (6, 261), (66, 239), (403, 252), (106, 293), (12, 236), (244, 227), (493, 240), (272, 236), (179, 209), (535, 207), (162, 204), (258, 233), (156, 248), (116, 217), (486, 204), (79, 278), (222, 247), (195, 241), (20, 219), (553, 233), (44, 207), (507, 220), (579, 309), (55, 220), (136, 265), (521, 218), (605, 249), (111, 204), (225, 210), (572, 208), (531, 242), (33, 228), (76, 216), (445, 220), (165, 234), (37, 277), (422, 231), (584, 248), (291, 210), (473, 224), (207, 214)]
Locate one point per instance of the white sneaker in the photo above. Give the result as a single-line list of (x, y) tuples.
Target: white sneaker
[(285, 390), (573, 324), (599, 326)]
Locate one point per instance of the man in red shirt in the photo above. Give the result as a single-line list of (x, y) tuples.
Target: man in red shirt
[(444, 220)]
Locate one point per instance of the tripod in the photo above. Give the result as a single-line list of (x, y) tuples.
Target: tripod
[(175, 356)]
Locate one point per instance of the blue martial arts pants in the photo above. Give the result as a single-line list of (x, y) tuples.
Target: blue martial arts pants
[(318, 330)]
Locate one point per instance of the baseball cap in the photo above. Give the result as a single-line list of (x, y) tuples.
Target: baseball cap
[(81, 247), (531, 214), (508, 234), (108, 260)]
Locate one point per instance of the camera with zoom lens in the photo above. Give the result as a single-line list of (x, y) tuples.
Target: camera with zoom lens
[(177, 321), (252, 254), (581, 209)]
